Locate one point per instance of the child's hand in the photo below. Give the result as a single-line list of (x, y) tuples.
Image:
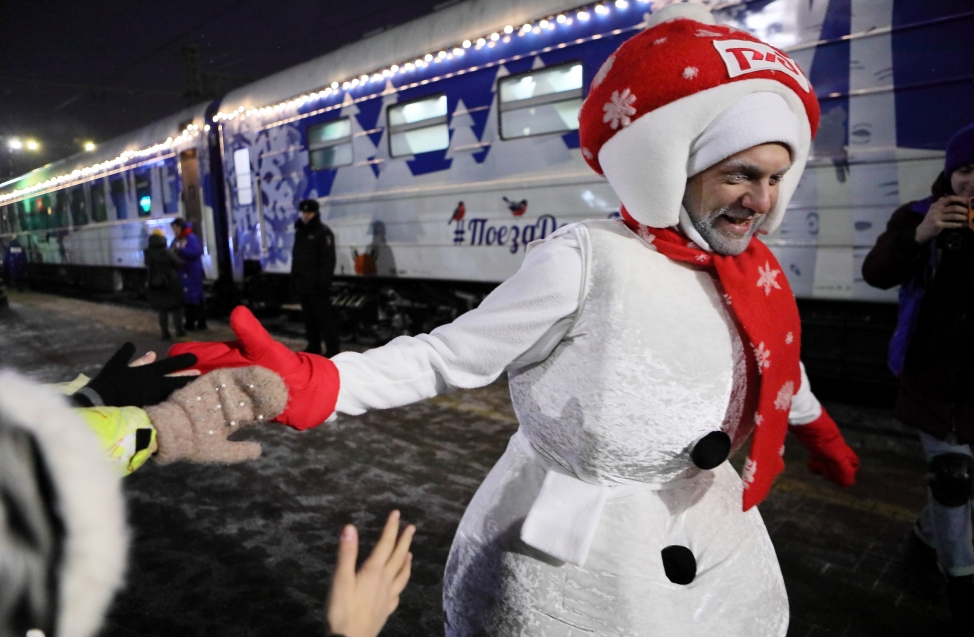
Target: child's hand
[(359, 603)]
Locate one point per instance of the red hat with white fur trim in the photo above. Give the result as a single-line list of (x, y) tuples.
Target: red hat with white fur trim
[(650, 116)]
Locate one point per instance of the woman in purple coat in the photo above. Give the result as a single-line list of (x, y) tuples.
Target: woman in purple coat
[(187, 245)]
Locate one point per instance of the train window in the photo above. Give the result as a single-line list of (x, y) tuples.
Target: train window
[(99, 209), (46, 212), (143, 193), (79, 207), (62, 209), (116, 187), (170, 188), (418, 126), (330, 144), (540, 102), (245, 183)]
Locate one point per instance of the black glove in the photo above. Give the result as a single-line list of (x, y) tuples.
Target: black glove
[(118, 385)]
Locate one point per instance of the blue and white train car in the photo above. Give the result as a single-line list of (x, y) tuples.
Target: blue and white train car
[(439, 148), (85, 220)]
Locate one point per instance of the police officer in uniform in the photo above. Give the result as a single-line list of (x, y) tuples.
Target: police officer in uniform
[(312, 266)]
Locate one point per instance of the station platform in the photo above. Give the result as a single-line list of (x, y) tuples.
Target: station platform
[(248, 550)]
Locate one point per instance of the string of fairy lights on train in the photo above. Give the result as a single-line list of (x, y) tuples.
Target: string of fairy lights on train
[(90, 172), (503, 36)]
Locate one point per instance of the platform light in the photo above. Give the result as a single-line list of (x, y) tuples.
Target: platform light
[(32, 145), (145, 203), (89, 146), (428, 57), (622, 4), (582, 15), (15, 144), (206, 127), (495, 37), (601, 9), (466, 44), (346, 85), (561, 18), (544, 24), (481, 42), (394, 68), (508, 29)]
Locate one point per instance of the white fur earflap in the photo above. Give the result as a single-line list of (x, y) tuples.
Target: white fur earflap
[(89, 499), (646, 162)]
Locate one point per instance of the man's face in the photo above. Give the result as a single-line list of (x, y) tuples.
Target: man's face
[(962, 181), (728, 201), (306, 217)]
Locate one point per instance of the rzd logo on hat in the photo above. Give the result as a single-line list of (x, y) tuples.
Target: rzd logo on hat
[(745, 56)]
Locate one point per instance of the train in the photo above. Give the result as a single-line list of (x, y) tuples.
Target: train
[(440, 148)]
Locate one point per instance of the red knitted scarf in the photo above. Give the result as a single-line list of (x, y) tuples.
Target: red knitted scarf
[(758, 295)]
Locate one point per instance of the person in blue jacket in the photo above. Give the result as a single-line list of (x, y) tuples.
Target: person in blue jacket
[(15, 264), (188, 247)]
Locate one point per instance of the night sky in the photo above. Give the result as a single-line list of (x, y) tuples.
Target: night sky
[(92, 70)]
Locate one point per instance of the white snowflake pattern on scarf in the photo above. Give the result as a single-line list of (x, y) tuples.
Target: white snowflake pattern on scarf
[(768, 278), (782, 401), (619, 108), (763, 356), (750, 470)]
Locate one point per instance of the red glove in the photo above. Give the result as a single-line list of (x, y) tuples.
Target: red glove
[(828, 454), (312, 380)]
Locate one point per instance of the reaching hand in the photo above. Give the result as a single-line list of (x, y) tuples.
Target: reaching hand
[(828, 454), (946, 212), (360, 603), (312, 381), (143, 383), (196, 421)]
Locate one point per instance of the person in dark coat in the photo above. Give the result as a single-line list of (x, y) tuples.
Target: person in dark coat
[(15, 264), (165, 289), (188, 247), (928, 250), (312, 267)]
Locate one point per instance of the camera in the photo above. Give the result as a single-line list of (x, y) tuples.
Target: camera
[(954, 239)]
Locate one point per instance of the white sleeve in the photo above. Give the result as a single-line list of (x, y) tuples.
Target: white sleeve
[(520, 322), (804, 406)]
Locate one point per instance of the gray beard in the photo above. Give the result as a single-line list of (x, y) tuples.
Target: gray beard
[(720, 243)]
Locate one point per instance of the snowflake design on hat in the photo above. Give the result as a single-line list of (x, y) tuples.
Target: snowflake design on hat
[(619, 108), (763, 356), (659, 41), (750, 470), (587, 154), (603, 71), (782, 401), (690, 72), (758, 419), (789, 338), (767, 278), (704, 33), (702, 258)]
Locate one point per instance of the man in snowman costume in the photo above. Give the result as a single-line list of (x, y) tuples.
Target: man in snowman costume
[(640, 352)]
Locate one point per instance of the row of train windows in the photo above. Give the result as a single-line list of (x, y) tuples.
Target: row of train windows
[(536, 103), (87, 203)]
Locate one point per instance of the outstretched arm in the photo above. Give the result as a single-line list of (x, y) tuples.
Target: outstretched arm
[(518, 323)]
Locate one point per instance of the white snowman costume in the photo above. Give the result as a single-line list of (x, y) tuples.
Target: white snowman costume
[(620, 361)]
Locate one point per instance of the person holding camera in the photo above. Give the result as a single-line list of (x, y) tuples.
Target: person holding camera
[(928, 250)]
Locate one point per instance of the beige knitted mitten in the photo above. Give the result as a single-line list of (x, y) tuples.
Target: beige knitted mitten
[(195, 422)]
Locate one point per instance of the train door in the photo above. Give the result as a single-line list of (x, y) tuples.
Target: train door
[(189, 169), (192, 197)]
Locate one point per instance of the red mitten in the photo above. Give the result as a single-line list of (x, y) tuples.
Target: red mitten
[(828, 454), (312, 381)]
